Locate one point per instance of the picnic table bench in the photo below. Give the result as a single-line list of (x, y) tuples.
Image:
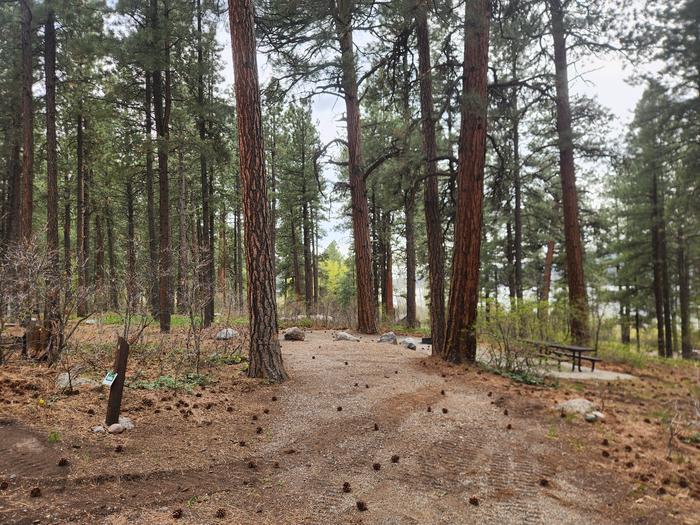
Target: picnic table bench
[(563, 352)]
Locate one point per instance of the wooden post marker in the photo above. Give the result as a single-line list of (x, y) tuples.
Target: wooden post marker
[(115, 392)]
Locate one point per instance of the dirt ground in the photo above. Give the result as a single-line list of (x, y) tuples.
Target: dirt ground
[(418, 442)]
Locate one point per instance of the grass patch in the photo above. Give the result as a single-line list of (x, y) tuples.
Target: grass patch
[(525, 377), (235, 359), (170, 383)]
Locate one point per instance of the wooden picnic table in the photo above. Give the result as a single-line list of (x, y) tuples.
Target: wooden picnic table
[(574, 352)]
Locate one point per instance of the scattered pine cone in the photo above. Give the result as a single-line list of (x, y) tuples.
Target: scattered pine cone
[(221, 513), (346, 487), (361, 506), (177, 514)]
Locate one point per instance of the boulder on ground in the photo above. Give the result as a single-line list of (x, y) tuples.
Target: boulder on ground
[(344, 336), (409, 343), (576, 406), (71, 379), (594, 416), (294, 334), (388, 337), (226, 333), (99, 429), (126, 422), (115, 428)]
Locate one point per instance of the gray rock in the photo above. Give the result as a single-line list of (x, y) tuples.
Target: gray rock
[(226, 333), (116, 428), (576, 406), (409, 343), (90, 321), (594, 416), (99, 429), (126, 422), (344, 336), (294, 334), (389, 337), (67, 379)]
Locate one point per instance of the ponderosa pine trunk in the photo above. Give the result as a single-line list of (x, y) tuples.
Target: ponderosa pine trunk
[(684, 295), (517, 195), (183, 248), (410, 213), (315, 257), (431, 197), (296, 268), (99, 260), (80, 214), (51, 144), (53, 277), (14, 179), (666, 286), (366, 314), (265, 352), (67, 265), (111, 260), (657, 265), (27, 202), (578, 318), (207, 248), (131, 288), (150, 200), (161, 105), (460, 343)]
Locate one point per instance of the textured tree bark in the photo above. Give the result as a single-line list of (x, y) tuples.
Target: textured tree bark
[(460, 343), (410, 212), (150, 199), (80, 213), (366, 314), (161, 104), (572, 230), (265, 351), (315, 258), (99, 259), (66, 229), (684, 295), (666, 286), (183, 251), (53, 277), (27, 203), (131, 288), (517, 190), (389, 285), (223, 256), (207, 248), (296, 268), (113, 292), (657, 265), (431, 197), (14, 186), (51, 145)]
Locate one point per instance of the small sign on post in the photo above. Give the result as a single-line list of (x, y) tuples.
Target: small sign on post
[(109, 378), (117, 382)]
